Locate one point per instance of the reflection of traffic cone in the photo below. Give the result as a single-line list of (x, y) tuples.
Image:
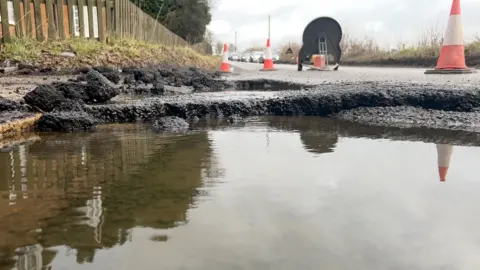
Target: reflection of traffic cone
[(225, 67), (452, 54), (268, 61), (444, 153)]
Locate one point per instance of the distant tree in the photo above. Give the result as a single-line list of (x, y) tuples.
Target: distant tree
[(186, 18), (208, 37), (190, 20)]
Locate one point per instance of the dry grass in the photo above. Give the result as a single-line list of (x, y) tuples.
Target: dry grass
[(427, 47), (115, 53)]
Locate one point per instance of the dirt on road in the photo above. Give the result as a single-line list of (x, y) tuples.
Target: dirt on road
[(15, 87)]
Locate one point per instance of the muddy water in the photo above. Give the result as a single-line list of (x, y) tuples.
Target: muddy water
[(273, 194)]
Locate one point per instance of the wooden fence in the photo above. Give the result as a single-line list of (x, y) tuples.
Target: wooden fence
[(99, 19)]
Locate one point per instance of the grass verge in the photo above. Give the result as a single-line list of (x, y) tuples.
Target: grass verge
[(114, 53), (421, 56)]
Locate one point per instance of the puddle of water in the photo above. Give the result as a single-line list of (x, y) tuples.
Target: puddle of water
[(270, 195)]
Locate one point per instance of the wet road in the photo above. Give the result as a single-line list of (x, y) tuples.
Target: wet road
[(351, 74), (277, 193)]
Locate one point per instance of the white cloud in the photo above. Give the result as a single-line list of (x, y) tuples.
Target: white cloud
[(220, 27)]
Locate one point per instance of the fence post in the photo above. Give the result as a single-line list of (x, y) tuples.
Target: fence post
[(52, 31), (61, 25), (90, 18), (81, 18), (5, 22), (71, 26), (101, 23), (28, 18), (18, 18), (108, 13), (116, 10)]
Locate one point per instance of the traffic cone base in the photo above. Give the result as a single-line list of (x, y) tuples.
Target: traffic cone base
[(450, 71), (268, 65), (225, 67)]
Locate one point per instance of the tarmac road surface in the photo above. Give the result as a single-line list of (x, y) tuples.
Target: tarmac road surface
[(246, 71)]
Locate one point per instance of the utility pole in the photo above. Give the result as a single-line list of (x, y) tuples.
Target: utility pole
[(268, 26), (235, 41)]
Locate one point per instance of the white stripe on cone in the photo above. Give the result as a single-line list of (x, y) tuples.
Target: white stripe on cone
[(225, 57), (454, 32), (268, 53)]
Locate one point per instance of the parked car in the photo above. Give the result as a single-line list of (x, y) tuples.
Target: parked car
[(245, 57), (233, 57), (255, 56), (275, 58)]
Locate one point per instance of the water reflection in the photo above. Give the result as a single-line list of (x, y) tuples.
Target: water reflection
[(126, 193), (319, 143), (320, 136), (88, 190), (444, 152)]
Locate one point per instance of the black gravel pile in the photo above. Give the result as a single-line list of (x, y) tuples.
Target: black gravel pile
[(426, 104), (323, 101), (66, 121), (8, 105)]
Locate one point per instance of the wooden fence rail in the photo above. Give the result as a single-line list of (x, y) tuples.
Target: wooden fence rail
[(98, 19)]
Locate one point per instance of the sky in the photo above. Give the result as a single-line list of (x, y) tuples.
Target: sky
[(390, 22)]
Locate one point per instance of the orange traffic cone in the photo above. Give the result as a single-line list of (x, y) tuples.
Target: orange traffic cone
[(267, 60), (452, 54), (444, 154), (225, 67)]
